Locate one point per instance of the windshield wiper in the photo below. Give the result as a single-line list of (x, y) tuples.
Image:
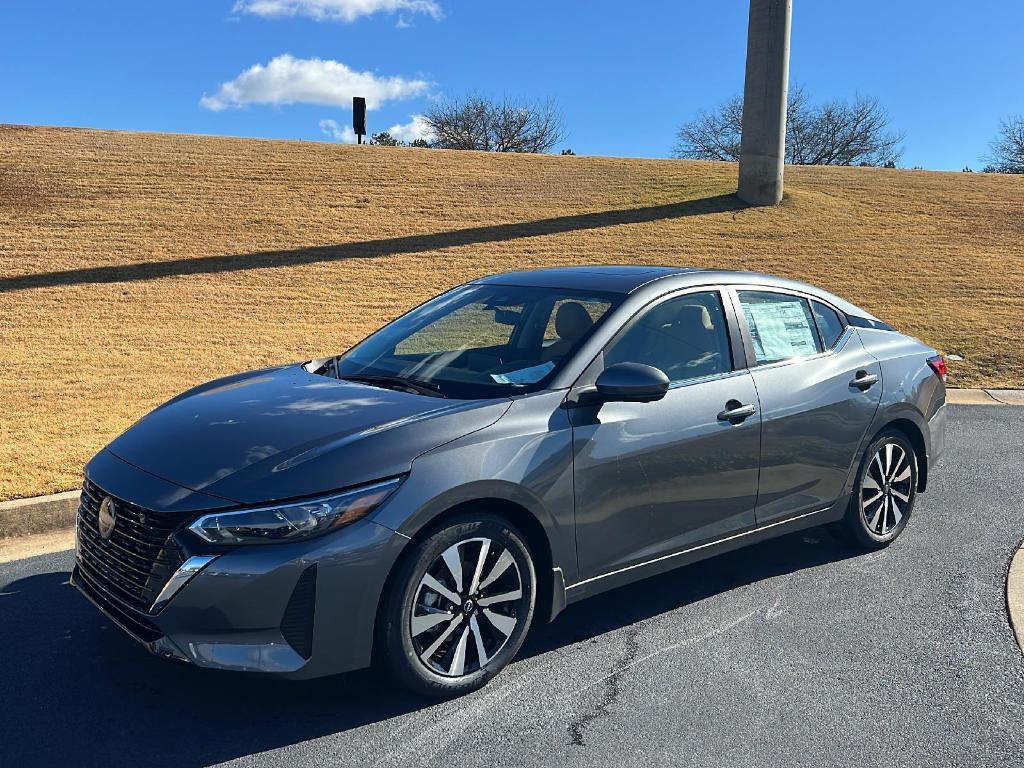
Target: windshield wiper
[(402, 382)]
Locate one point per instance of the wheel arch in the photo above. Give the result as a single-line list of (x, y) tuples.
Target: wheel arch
[(915, 435), (550, 587)]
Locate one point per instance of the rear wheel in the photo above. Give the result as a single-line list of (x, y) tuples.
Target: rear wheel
[(460, 607), (886, 489)]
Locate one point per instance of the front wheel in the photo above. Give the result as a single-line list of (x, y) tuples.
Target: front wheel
[(886, 489), (460, 606)]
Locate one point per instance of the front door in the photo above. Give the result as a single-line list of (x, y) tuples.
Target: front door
[(656, 478)]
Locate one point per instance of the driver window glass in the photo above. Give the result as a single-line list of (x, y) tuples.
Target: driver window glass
[(686, 337)]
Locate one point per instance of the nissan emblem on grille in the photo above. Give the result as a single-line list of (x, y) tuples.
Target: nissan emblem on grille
[(107, 517)]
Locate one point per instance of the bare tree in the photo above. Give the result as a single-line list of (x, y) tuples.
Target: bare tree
[(1006, 152), (476, 122), (713, 135), (832, 133)]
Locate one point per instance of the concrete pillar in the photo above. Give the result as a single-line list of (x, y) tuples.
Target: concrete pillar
[(763, 146)]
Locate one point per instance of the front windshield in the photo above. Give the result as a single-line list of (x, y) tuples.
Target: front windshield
[(478, 341)]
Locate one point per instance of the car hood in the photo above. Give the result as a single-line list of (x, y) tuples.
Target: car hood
[(286, 433)]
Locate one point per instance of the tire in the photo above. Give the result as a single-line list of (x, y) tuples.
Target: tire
[(884, 493), (438, 648)]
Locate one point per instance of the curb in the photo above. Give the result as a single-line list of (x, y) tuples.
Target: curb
[(985, 396), (39, 514), (1015, 596)]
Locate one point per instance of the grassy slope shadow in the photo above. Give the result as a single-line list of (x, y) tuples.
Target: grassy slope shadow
[(370, 248)]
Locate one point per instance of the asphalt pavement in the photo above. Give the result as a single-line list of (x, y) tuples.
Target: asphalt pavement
[(798, 651)]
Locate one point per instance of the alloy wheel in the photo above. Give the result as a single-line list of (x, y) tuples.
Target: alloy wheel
[(886, 489), (466, 607)]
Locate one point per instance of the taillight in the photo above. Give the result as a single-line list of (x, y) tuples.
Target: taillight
[(938, 365)]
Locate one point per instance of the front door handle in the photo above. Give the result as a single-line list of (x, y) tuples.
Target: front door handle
[(735, 412), (864, 380)]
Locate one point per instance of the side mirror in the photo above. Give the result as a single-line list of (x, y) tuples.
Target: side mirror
[(630, 383)]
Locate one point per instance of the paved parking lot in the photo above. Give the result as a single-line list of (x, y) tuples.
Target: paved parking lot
[(799, 651)]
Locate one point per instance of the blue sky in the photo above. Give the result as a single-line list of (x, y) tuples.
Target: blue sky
[(624, 74)]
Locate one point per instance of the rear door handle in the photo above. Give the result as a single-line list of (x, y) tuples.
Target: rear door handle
[(735, 412), (864, 380)]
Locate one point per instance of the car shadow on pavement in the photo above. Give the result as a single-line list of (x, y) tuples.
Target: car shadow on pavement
[(77, 690), (688, 585)]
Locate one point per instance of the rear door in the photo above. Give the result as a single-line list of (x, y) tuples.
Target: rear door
[(818, 389)]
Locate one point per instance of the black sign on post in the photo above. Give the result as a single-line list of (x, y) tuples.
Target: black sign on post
[(359, 117)]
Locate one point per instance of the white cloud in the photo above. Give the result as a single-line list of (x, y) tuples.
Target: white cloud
[(408, 132), (336, 10), (416, 128), (331, 128), (287, 80)]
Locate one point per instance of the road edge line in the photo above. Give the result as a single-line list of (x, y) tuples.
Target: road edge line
[(36, 544)]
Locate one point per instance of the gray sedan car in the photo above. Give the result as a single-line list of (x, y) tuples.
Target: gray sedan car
[(517, 444)]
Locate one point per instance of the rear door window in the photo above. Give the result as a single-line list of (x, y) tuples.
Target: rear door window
[(781, 326)]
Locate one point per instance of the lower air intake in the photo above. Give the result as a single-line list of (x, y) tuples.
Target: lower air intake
[(297, 623)]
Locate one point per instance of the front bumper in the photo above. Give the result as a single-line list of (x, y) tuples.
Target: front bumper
[(299, 610)]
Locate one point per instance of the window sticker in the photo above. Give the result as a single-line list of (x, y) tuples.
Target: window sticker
[(530, 375), (780, 330)]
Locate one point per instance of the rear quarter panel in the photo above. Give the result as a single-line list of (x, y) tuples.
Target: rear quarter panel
[(910, 389)]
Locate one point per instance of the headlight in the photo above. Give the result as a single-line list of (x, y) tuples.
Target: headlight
[(294, 520)]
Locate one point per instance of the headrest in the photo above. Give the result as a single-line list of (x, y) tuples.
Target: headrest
[(572, 321), (694, 317)]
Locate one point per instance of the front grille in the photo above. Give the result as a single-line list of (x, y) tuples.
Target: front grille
[(133, 565), (133, 623)]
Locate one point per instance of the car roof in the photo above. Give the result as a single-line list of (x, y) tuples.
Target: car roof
[(628, 279), (618, 279)]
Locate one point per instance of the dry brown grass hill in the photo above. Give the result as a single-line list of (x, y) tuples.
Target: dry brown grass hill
[(135, 265)]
